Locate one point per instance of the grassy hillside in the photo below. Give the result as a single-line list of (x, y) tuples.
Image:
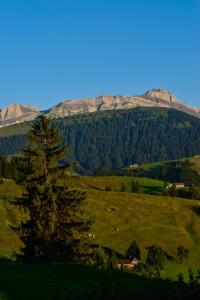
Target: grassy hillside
[(121, 217), (17, 129), (9, 241), (195, 161), (147, 185)]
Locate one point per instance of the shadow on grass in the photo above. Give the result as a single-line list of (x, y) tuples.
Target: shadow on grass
[(73, 281), (195, 209), (95, 188), (153, 190)]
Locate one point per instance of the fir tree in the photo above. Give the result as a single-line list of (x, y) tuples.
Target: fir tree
[(55, 228), (133, 250)]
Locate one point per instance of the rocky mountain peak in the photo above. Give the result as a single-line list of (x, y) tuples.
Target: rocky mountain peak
[(161, 94), (16, 113)]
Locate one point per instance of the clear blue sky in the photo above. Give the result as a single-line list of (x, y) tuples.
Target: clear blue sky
[(67, 49)]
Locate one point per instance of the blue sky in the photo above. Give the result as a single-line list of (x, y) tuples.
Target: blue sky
[(52, 50)]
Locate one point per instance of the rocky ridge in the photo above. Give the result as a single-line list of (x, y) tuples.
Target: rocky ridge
[(17, 113)]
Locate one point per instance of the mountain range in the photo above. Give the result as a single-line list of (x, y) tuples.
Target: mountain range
[(17, 113), (112, 139)]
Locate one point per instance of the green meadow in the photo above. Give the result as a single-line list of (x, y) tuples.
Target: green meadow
[(121, 217)]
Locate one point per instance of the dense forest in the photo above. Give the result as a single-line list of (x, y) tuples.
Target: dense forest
[(109, 140)]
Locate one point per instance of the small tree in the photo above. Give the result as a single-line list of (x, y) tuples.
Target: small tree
[(155, 259), (135, 187), (1, 180), (182, 253), (133, 250)]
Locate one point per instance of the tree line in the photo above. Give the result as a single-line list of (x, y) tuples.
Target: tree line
[(106, 141)]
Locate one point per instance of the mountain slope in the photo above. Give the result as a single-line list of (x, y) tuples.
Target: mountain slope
[(108, 140)]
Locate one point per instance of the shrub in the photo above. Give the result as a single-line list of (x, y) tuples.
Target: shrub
[(155, 260)]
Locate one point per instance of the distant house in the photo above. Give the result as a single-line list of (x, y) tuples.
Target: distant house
[(180, 185), (134, 166), (127, 263)]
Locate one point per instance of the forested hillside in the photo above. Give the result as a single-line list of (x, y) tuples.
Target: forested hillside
[(109, 140)]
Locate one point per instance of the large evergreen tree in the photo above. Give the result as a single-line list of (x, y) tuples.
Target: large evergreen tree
[(55, 227)]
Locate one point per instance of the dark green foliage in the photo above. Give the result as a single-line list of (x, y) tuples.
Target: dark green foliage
[(8, 167), (78, 282), (193, 284), (105, 141), (133, 251), (55, 229), (107, 257), (194, 192), (135, 187), (155, 260), (5, 168), (180, 278), (1, 180), (182, 253)]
